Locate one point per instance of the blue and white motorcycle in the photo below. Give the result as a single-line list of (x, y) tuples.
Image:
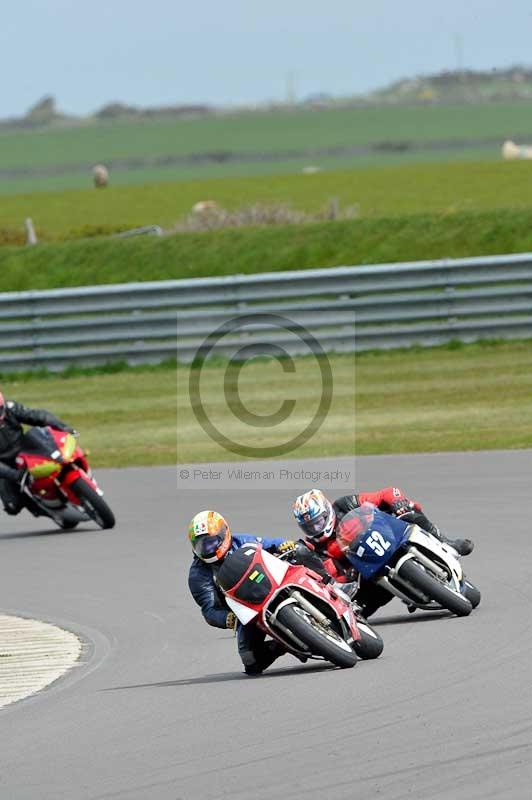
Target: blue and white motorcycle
[(406, 561)]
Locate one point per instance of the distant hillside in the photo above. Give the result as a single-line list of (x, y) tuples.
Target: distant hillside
[(45, 114), (464, 86), (513, 84)]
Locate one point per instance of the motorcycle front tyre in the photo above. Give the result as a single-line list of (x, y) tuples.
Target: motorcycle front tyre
[(472, 593), (93, 504), (443, 595), (320, 640), (370, 645)]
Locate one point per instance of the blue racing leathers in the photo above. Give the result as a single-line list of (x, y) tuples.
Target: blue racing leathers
[(256, 654)]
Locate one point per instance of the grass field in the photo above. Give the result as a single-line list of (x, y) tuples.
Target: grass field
[(140, 177), (377, 192), (403, 401), (75, 150)]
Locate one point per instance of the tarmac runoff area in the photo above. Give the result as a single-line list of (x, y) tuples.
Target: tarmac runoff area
[(444, 713), (33, 655)]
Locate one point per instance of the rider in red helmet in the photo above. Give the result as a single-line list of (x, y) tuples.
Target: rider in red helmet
[(319, 520), (12, 416)]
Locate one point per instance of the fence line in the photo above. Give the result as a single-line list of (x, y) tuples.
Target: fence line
[(344, 308)]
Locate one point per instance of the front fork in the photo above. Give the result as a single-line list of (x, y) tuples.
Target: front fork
[(69, 476)]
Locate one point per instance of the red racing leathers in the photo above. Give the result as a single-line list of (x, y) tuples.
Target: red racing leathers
[(391, 499)]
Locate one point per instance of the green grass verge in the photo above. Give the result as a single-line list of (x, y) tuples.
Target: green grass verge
[(469, 397), (274, 132), (252, 250)]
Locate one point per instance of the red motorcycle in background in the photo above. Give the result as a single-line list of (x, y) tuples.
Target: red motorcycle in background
[(57, 481), (292, 604)]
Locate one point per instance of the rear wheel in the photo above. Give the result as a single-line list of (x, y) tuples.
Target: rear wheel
[(436, 590), (93, 504), (370, 645), (320, 640), (68, 525), (70, 517), (472, 593)]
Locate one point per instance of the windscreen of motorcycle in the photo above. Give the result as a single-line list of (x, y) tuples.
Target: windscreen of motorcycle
[(369, 537), (38, 441), (354, 525)]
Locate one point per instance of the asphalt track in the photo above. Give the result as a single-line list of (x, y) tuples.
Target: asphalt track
[(160, 709)]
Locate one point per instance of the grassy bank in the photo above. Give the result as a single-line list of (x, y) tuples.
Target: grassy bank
[(252, 250), (472, 397)]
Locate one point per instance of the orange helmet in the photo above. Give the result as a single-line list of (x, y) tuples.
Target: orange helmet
[(210, 536)]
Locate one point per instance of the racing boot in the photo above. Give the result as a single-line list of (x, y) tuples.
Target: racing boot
[(462, 546), (271, 651), (10, 493)]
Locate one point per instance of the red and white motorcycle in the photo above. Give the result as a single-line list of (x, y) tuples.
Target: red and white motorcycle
[(292, 604)]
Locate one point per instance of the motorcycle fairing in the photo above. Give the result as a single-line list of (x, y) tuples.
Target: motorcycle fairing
[(243, 613), (40, 466), (423, 544), (444, 553), (45, 450), (250, 575), (373, 547), (72, 475), (234, 578), (300, 579)]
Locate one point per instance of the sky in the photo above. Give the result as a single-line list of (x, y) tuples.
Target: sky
[(87, 53)]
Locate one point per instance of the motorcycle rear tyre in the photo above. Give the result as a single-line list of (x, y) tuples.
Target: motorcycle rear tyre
[(433, 588), (93, 504), (299, 622), (68, 525)]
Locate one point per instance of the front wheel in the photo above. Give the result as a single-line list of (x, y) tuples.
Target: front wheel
[(93, 504), (370, 645), (472, 593), (440, 592), (320, 640)]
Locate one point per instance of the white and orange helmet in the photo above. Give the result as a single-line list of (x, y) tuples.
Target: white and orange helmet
[(315, 515), (210, 536)]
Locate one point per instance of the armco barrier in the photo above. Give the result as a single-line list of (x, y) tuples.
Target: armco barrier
[(344, 308)]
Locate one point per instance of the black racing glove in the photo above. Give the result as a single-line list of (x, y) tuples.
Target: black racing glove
[(402, 507), (68, 429)]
